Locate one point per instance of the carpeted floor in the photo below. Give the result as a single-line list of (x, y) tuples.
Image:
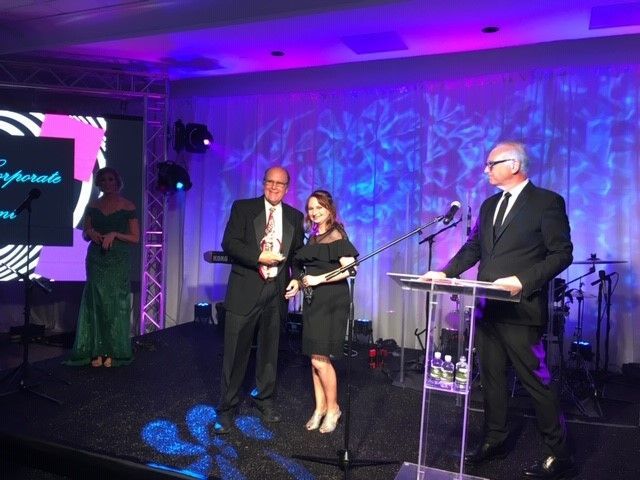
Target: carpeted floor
[(160, 411)]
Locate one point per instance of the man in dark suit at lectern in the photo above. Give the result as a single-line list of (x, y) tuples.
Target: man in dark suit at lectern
[(522, 241), (261, 238)]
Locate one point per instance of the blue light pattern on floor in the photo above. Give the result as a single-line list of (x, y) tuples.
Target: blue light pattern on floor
[(164, 437)]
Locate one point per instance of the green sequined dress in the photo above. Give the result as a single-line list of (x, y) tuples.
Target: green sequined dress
[(104, 320)]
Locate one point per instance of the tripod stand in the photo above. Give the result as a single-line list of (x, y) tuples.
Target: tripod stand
[(22, 373), (577, 383), (345, 460)]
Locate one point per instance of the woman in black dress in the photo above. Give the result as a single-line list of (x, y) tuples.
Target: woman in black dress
[(326, 307)]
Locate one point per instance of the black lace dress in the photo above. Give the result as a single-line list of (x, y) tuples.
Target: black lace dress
[(324, 318)]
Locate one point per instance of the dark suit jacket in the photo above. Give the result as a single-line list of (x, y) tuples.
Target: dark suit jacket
[(241, 241), (534, 244)]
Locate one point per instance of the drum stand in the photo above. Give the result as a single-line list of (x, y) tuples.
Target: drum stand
[(576, 382)]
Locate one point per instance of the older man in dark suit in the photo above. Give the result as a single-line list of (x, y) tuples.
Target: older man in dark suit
[(522, 241), (261, 237)]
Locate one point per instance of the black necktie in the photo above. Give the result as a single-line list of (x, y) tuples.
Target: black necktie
[(501, 212)]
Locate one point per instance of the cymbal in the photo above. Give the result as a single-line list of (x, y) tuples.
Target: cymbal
[(597, 261)]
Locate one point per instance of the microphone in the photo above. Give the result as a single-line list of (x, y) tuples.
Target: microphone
[(26, 203), (602, 277), (469, 221), (453, 209), (568, 295)]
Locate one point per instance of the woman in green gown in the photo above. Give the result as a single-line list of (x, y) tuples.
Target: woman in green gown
[(111, 226)]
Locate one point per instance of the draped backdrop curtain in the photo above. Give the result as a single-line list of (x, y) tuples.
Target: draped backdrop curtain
[(395, 158)]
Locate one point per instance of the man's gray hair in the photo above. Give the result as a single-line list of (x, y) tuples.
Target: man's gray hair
[(519, 153)]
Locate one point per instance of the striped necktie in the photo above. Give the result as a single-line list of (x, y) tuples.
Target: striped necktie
[(268, 241)]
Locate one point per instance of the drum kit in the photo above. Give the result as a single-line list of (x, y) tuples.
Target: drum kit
[(576, 381)]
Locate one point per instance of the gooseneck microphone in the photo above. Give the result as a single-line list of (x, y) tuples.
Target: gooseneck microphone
[(469, 220), (453, 209), (26, 203)]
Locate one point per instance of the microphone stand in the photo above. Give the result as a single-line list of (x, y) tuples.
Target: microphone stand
[(604, 312), (564, 286), (605, 291), (598, 324), (345, 460), (608, 314), (431, 239), (22, 373)]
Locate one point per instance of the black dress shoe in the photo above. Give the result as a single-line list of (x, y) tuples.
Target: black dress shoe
[(224, 424), (552, 468), (486, 452), (269, 414)]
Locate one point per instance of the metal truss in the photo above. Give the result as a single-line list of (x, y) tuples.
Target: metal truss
[(72, 78), (110, 82), (153, 273)]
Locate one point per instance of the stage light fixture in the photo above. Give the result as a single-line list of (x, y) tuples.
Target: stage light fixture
[(203, 313), (172, 178), (192, 137)]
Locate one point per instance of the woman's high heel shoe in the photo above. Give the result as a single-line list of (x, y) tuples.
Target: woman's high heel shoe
[(330, 422), (315, 420)]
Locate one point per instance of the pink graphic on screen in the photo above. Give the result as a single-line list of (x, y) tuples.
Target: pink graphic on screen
[(87, 141), (65, 262)]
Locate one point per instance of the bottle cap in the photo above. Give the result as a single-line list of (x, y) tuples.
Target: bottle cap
[(437, 355), (447, 358)]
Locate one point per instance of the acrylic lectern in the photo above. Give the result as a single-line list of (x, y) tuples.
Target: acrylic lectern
[(437, 295)]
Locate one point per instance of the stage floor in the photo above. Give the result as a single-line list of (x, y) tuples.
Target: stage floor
[(160, 410)]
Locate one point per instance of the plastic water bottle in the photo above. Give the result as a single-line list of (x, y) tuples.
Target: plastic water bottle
[(435, 369), (462, 374), (447, 373)]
